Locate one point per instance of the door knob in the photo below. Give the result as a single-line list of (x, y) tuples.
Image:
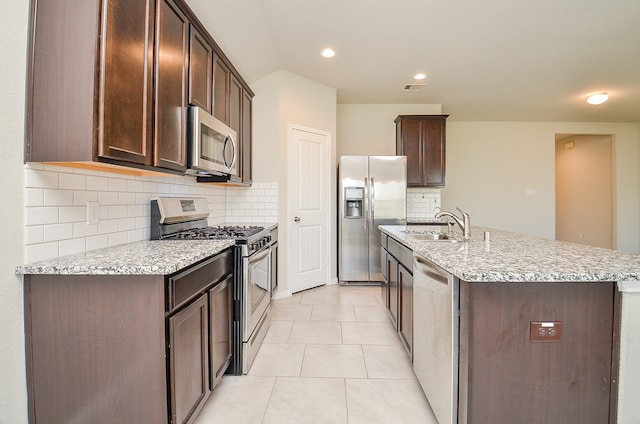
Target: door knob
[(296, 219)]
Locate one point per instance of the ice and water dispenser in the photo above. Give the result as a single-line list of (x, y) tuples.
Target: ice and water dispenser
[(353, 202)]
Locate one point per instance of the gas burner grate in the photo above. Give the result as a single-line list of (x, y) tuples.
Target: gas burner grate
[(217, 233)]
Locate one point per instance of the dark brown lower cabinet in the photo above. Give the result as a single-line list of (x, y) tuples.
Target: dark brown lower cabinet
[(397, 269), (507, 376), (96, 349), (394, 289), (127, 348), (220, 329), (189, 359)]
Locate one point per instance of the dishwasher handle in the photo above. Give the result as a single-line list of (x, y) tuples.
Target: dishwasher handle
[(431, 270)]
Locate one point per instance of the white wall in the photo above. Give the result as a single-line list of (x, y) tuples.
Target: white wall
[(491, 165), (284, 98), (13, 31), (369, 129)]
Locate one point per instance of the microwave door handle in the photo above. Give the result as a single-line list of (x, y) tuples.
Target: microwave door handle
[(233, 145)]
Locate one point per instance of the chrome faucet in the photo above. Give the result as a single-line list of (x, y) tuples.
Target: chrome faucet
[(464, 223)]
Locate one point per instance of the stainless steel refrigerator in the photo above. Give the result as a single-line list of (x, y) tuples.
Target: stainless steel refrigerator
[(372, 191)]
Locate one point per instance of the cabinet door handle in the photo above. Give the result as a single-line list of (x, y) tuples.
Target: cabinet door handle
[(296, 219)]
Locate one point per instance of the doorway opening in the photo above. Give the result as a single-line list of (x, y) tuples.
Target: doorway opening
[(585, 189)]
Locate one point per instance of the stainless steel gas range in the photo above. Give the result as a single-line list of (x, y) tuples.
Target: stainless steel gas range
[(179, 218)]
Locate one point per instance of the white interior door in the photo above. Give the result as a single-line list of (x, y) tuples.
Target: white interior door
[(308, 207)]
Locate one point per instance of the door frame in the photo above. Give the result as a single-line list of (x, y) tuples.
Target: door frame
[(290, 215)]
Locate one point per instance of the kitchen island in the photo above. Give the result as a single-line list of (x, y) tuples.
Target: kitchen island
[(545, 348)]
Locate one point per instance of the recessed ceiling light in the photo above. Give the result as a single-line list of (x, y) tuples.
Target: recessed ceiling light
[(597, 98), (420, 76), (328, 53)]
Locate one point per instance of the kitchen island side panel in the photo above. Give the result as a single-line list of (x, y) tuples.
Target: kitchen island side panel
[(506, 377), (95, 349)]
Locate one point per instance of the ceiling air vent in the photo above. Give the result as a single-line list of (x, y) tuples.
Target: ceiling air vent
[(413, 87)]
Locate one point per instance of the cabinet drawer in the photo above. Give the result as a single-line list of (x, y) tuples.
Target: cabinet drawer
[(189, 283), (403, 254)]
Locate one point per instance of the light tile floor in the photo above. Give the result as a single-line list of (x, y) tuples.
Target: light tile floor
[(330, 356)]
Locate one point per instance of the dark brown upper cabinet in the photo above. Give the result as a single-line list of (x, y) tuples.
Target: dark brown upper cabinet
[(246, 137), (232, 105), (200, 70), (125, 104), (170, 129), (81, 105), (221, 89), (421, 138), (235, 120), (107, 84)]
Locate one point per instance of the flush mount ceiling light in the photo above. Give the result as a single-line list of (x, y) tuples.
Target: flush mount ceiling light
[(420, 76), (328, 53), (597, 98)]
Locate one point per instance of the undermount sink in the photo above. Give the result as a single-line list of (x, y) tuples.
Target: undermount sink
[(433, 237)]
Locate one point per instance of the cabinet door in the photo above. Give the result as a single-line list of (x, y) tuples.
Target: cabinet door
[(220, 326), (394, 289), (221, 82), (409, 144), (422, 139), (170, 138), (405, 325), (433, 158), (125, 114), (189, 360), (246, 139), (384, 291), (235, 122), (200, 70)]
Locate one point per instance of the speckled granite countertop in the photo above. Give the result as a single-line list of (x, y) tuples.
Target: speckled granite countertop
[(511, 257), (154, 257)]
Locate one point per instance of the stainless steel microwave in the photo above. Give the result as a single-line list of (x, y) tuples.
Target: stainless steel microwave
[(212, 145)]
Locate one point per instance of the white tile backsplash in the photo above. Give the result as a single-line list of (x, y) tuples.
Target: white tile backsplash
[(422, 203), (56, 197), (255, 204)]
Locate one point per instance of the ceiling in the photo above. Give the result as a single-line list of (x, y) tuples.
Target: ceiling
[(491, 60)]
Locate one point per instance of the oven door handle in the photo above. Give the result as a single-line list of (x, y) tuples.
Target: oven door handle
[(260, 256)]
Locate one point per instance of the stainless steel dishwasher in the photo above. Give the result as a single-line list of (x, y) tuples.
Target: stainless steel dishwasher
[(435, 337)]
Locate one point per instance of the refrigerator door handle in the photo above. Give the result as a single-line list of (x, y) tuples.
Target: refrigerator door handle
[(372, 201), (366, 203)]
